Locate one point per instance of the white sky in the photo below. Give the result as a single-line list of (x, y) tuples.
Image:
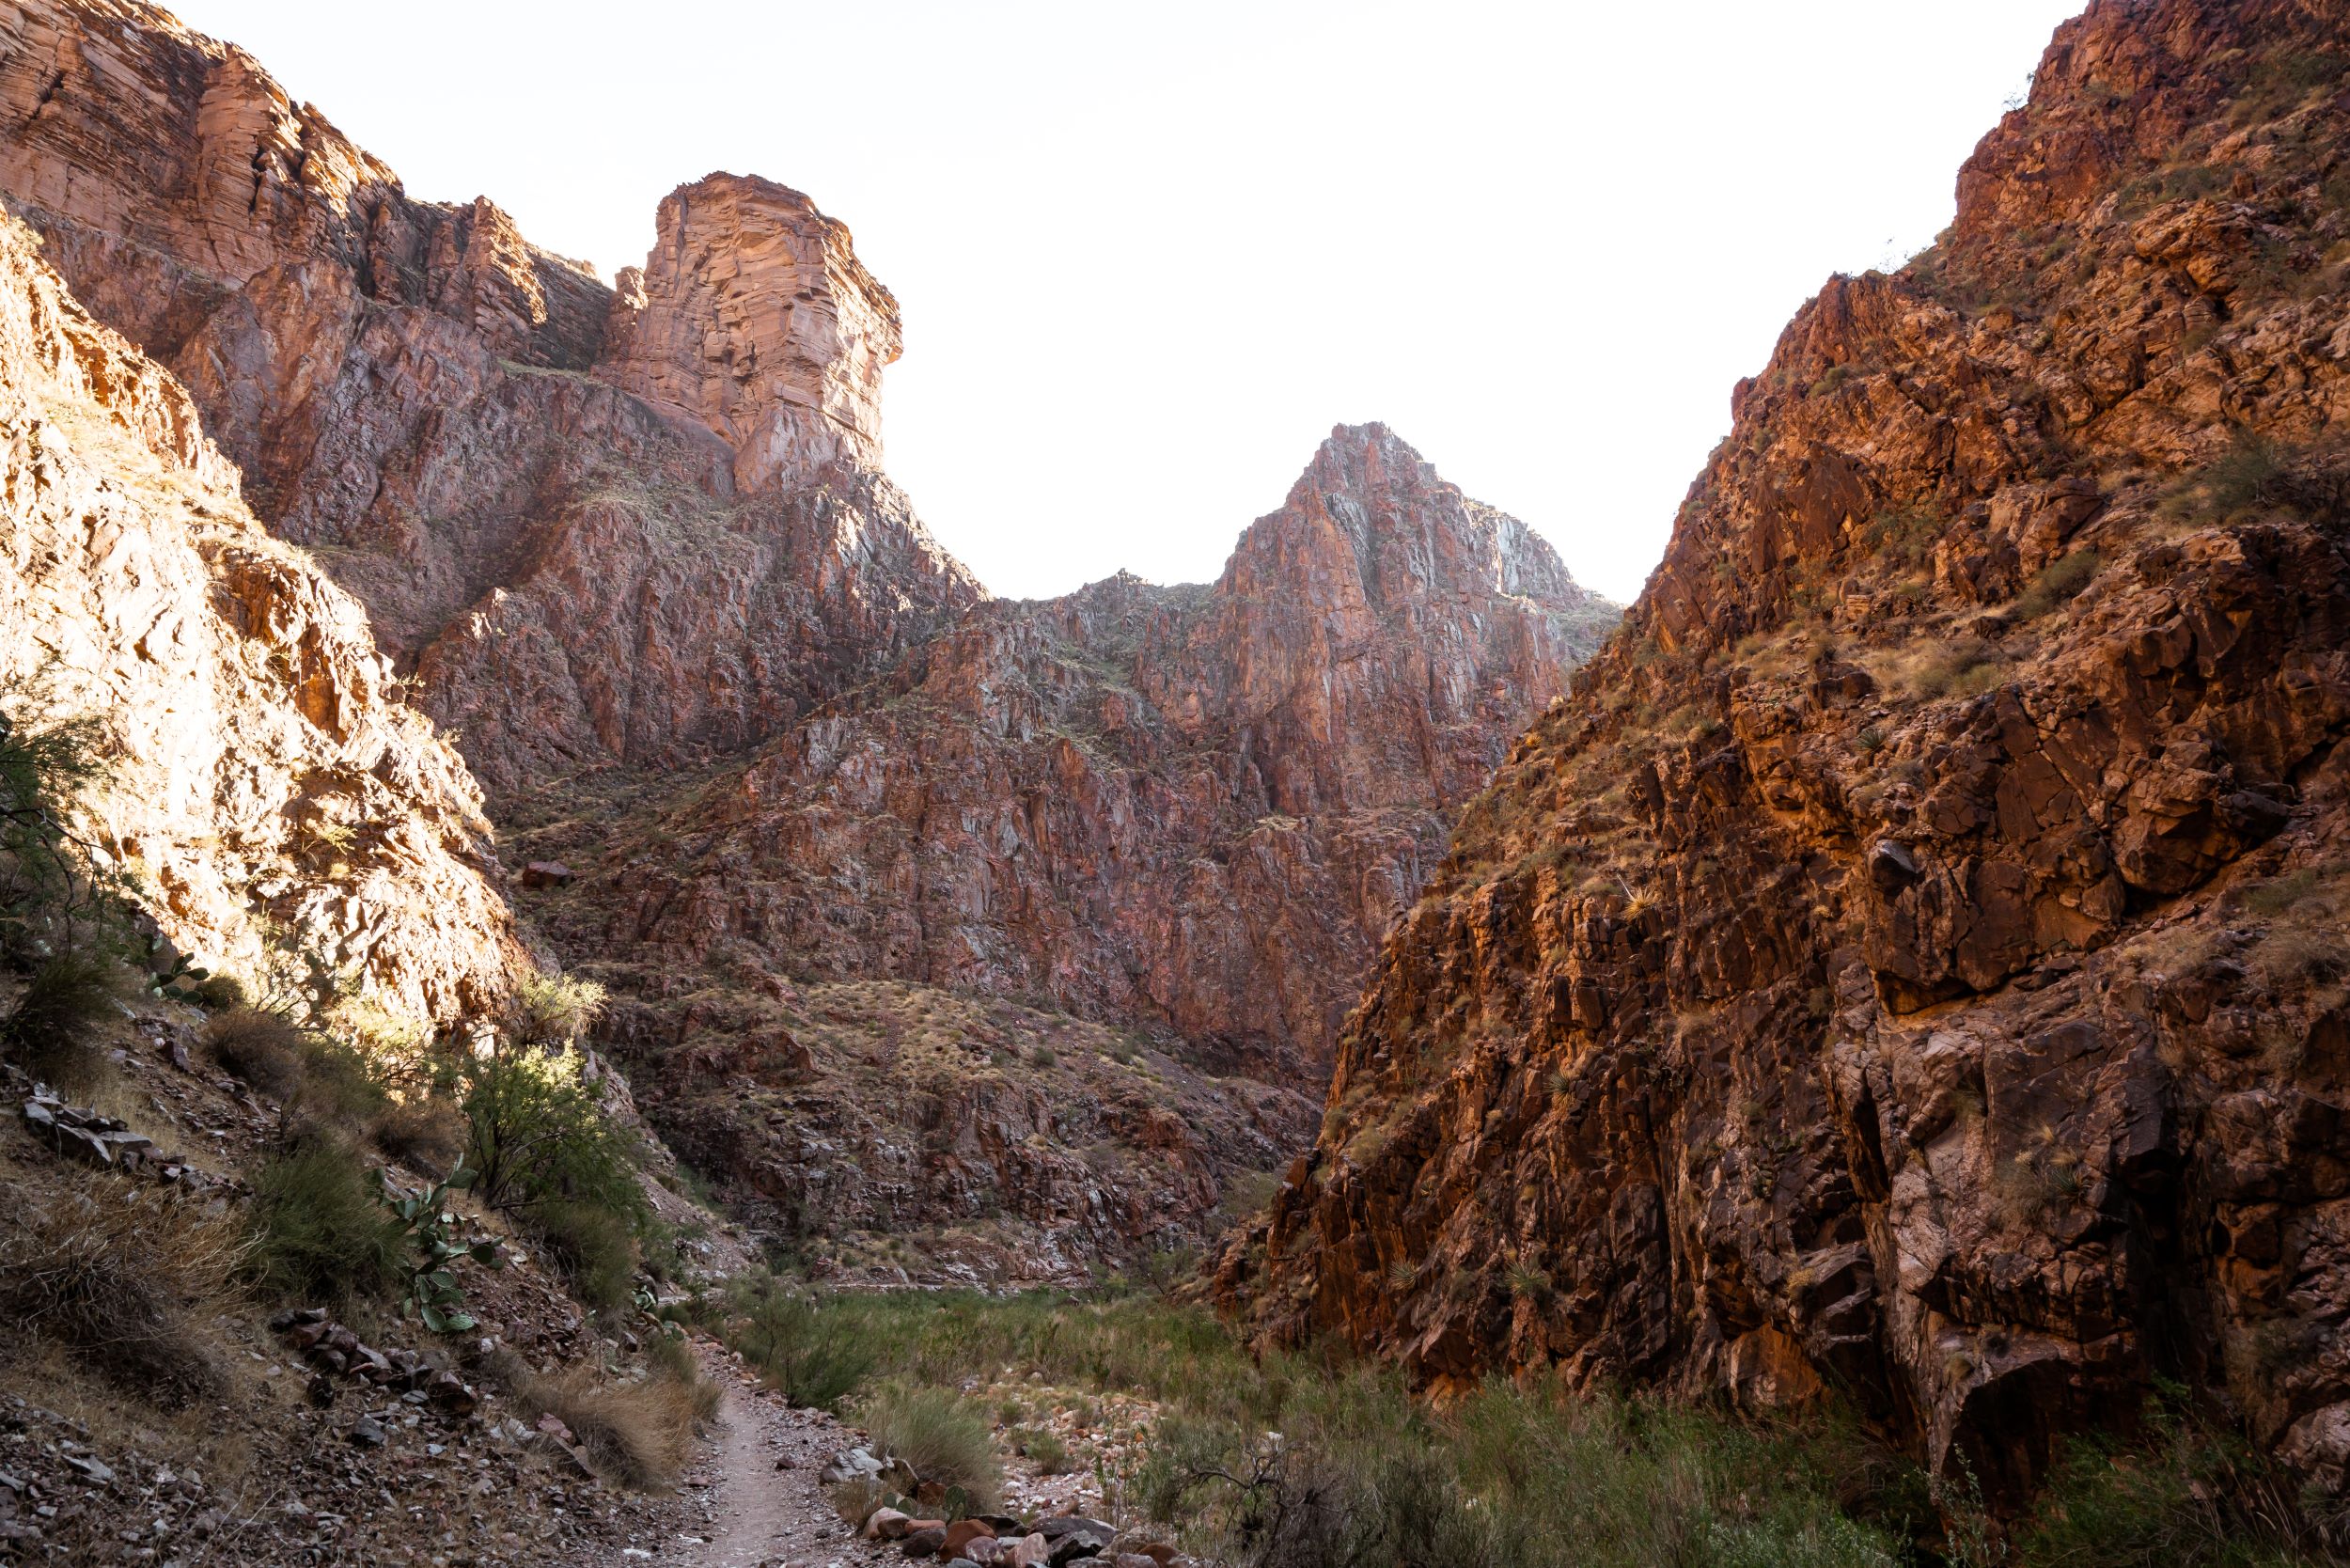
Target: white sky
[(1149, 254)]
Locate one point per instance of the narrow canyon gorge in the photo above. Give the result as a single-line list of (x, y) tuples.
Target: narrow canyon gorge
[(1889, 985)]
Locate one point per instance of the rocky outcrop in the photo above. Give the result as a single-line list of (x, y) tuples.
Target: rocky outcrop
[(631, 548), (891, 1133), (753, 315), (1192, 807), (1909, 959), (262, 772), (573, 575)]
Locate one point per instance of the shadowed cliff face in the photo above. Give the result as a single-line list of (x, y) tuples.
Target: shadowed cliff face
[(633, 548), (1910, 958)]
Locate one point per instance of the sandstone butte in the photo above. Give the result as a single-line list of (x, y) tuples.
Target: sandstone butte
[(1911, 958), (850, 839)]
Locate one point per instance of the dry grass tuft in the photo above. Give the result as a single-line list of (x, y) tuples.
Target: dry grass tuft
[(262, 1050), (945, 1436), (639, 1434), (124, 1280)]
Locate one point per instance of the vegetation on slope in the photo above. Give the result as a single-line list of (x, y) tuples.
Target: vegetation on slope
[(1318, 1459)]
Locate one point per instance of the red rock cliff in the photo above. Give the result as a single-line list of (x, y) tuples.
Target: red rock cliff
[(572, 573), (1910, 958), (1197, 808), (753, 315), (633, 548), (261, 770)]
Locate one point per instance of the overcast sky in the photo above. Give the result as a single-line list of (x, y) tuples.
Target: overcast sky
[(1148, 254)]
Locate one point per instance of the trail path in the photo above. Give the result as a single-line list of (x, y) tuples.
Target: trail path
[(754, 1500)]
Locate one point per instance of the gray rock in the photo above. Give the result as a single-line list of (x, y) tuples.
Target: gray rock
[(367, 1432), (93, 1470)]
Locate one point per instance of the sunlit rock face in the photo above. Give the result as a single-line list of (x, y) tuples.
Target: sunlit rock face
[(753, 315), (1909, 959), (573, 575), (260, 773)]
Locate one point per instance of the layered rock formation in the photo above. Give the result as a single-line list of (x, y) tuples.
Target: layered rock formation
[(1188, 810), (1911, 958), (1193, 808), (633, 548), (572, 574), (261, 771), (753, 315)]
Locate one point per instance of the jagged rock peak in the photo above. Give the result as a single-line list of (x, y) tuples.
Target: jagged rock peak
[(753, 314), (1411, 536)]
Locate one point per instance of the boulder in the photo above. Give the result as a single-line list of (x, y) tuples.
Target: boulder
[(961, 1534)]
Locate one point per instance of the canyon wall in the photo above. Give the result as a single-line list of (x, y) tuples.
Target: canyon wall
[(260, 773), (1197, 808), (1909, 960), (572, 576), (633, 547)]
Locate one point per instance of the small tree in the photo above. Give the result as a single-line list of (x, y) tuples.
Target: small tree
[(47, 901), (538, 1133)]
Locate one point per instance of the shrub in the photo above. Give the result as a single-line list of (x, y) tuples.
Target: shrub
[(943, 1436), (318, 1233), (811, 1356), (593, 1246), (2187, 1494), (551, 1010), (672, 1356), (639, 1434), (1050, 1453), (1502, 1476), (2249, 476), (120, 1278), (425, 1133), (261, 1050), (338, 1085), (45, 902), (537, 1133), (2062, 581), (55, 1031)]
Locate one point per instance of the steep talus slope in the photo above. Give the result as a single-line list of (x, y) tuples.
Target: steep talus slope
[(1911, 958), (260, 772)]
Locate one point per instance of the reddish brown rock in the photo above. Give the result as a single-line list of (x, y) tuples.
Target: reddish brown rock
[(1194, 806), (638, 538), (572, 574), (753, 315), (1909, 960), (262, 771)]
